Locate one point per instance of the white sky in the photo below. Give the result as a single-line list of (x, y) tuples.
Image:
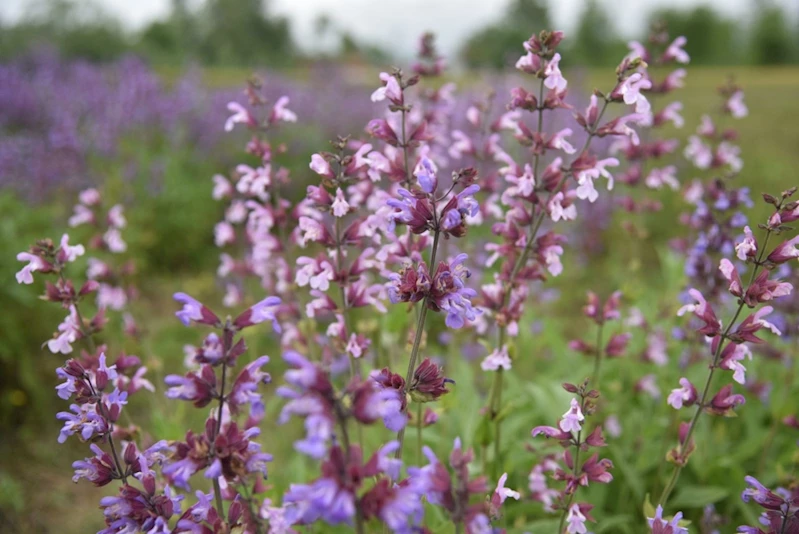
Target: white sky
[(395, 24)]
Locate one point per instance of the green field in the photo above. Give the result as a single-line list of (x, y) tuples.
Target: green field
[(171, 237)]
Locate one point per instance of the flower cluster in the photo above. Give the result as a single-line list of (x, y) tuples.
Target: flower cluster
[(569, 433)]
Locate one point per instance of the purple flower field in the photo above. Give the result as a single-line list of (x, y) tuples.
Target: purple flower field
[(427, 302)]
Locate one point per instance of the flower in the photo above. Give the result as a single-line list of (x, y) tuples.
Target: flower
[(281, 113), (735, 105), (240, 116), (554, 79), (194, 310), (390, 89), (630, 89), (659, 525), (499, 358), (685, 395), (502, 492), (340, 207), (748, 247), (572, 418), (321, 166), (575, 521), (259, 313), (35, 263), (675, 51)]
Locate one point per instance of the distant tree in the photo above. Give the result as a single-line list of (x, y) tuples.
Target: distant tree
[(712, 39), (498, 45), (595, 40), (240, 32), (771, 40)]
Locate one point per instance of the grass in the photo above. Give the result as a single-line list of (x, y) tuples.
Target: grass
[(37, 495)]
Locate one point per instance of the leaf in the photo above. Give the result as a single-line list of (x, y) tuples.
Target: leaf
[(649, 510), (699, 496)]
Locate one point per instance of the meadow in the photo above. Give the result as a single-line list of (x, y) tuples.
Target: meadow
[(161, 169)]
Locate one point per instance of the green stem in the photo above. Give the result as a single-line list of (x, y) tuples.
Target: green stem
[(705, 392), (496, 387), (575, 468), (598, 359), (417, 338), (419, 433), (220, 507)]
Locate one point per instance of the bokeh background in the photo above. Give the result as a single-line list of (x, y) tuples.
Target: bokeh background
[(131, 96)]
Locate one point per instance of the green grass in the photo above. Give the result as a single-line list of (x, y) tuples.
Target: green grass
[(171, 237)]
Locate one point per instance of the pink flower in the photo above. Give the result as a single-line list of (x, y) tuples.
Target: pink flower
[(224, 234), (222, 187), (674, 80), (116, 216), (585, 179), (321, 166), (703, 311), (281, 113), (698, 152), (89, 197), (340, 206), (630, 89), (554, 79), (68, 254), (529, 63), (240, 115), (675, 51), (572, 418), (496, 360), (735, 105), (657, 178), (748, 247), (685, 395), (70, 330), (391, 90), (502, 492), (637, 50), (575, 521), (557, 211), (35, 263), (113, 240), (729, 272), (671, 113), (559, 142), (731, 358), (81, 215), (785, 251)]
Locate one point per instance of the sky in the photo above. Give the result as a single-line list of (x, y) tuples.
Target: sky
[(396, 24)]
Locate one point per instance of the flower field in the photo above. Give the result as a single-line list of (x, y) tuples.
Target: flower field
[(551, 300)]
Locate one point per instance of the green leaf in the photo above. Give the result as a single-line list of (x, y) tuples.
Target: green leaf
[(699, 496)]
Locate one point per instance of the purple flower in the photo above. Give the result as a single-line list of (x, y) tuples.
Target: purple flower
[(425, 173), (660, 526), (194, 310), (245, 388), (685, 395), (258, 313), (99, 470), (83, 420)]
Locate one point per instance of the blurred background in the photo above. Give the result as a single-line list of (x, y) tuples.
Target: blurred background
[(131, 97)]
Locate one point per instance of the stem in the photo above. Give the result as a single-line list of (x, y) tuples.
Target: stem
[(220, 507), (599, 353), (496, 386), (101, 410), (574, 473), (419, 433), (703, 400), (417, 338), (345, 438)]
